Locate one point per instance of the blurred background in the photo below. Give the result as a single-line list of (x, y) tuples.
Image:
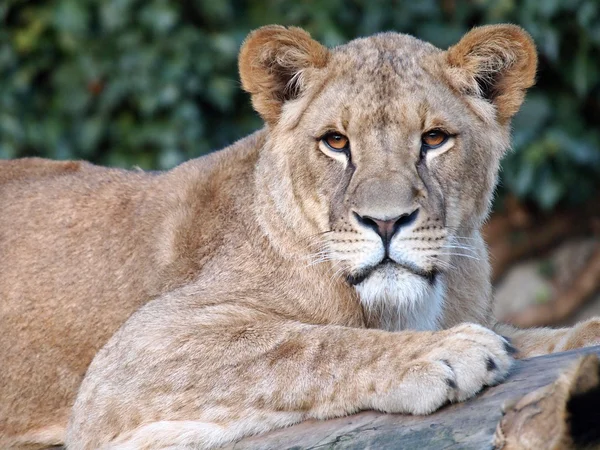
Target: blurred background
[(152, 83)]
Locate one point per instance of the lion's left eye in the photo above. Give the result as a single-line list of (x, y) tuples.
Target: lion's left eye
[(433, 139), (336, 141)]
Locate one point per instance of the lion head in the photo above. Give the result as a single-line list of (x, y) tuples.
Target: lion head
[(383, 153)]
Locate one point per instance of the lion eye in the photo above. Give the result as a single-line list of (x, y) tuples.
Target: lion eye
[(433, 139), (335, 141)]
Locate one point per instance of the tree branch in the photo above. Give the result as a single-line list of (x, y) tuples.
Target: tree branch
[(469, 425)]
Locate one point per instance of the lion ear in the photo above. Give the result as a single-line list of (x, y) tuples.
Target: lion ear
[(272, 62), (495, 62)]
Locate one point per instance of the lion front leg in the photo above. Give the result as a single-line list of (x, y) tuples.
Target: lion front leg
[(209, 377), (542, 341)]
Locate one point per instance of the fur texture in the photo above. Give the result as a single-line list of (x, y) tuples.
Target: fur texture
[(250, 289)]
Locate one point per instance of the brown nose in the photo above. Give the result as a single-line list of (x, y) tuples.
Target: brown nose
[(387, 228)]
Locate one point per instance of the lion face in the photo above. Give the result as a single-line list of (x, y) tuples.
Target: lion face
[(384, 152)]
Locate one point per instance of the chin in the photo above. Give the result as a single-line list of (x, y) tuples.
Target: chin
[(395, 299)]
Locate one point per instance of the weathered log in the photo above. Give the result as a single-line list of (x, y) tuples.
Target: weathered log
[(562, 415), (468, 425)]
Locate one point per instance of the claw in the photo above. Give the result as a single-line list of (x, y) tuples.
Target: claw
[(509, 348)]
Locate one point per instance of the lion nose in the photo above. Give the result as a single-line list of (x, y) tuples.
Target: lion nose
[(387, 228)]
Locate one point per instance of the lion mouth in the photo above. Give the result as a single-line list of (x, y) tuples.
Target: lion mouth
[(362, 275)]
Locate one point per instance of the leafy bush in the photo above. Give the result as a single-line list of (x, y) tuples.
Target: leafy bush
[(152, 83)]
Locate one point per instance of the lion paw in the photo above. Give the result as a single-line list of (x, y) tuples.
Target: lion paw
[(465, 359)]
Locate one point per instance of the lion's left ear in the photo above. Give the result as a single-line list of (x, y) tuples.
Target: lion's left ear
[(272, 63), (495, 62)]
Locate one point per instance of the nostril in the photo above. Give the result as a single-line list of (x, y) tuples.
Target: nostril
[(366, 221), (406, 219), (386, 228)]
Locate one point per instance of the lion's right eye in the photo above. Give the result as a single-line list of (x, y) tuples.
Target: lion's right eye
[(336, 142)]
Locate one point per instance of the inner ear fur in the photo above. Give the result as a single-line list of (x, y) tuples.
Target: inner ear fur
[(272, 62), (495, 62)]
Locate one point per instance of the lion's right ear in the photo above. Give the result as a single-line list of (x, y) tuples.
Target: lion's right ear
[(272, 62)]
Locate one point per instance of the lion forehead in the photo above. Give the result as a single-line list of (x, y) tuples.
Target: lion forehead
[(384, 79), (400, 57)]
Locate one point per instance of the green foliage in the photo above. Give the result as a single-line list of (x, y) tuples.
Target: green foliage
[(152, 83)]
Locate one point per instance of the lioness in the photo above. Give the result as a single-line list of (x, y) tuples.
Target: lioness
[(329, 263)]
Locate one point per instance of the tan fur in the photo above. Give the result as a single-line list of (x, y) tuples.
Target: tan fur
[(239, 292)]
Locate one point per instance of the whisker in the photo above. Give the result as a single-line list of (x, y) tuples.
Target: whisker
[(316, 245), (319, 253), (460, 247), (320, 233), (336, 275), (441, 263), (437, 250), (459, 244), (320, 258), (464, 256), (318, 261), (466, 238)]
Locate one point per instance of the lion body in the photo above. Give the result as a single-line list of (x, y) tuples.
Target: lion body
[(209, 297), (92, 257)]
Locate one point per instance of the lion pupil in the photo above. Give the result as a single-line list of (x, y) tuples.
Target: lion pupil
[(337, 141), (434, 138)]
